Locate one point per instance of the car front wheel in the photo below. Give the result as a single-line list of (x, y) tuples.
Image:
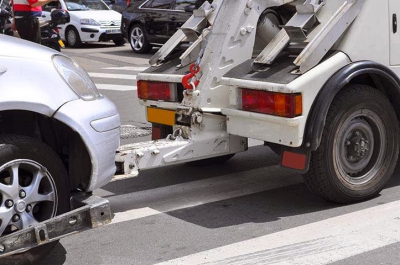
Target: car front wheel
[(33, 188), (72, 37), (359, 147), (138, 39)]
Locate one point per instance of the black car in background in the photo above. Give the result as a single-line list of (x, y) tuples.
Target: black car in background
[(152, 22)]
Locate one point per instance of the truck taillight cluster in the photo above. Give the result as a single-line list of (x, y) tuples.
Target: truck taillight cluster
[(163, 91), (278, 104)]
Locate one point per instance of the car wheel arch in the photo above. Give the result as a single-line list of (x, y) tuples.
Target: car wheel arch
[(45, 128)]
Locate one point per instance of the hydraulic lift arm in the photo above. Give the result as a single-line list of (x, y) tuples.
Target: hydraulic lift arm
[(88, 212)]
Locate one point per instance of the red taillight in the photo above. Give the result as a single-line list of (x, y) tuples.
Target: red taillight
[(128, 2), (279, 104), (157, 91)]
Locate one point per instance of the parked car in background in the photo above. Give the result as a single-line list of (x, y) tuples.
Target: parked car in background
[(152, 22), (117, 5), (91, 21)]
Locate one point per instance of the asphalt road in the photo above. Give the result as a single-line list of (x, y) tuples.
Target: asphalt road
[(247, 211)]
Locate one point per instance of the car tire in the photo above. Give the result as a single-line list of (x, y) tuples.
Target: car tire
[(359, 147), (72, 37), (119, 42), (219, 160), (32, 158), (138, 39)]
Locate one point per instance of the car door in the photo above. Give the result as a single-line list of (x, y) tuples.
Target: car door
[(181, 11), (156, 19)]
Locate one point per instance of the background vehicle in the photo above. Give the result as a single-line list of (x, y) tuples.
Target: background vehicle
[(91, 21), (152, 22), (5, 19), (56, 137), (117, 5), (49, 31)]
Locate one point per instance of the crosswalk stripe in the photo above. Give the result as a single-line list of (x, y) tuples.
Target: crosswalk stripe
[(116, 87), (186, 195), (321, 242), (113, 76), (128, 68)]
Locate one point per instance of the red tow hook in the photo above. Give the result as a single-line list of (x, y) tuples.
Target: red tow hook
[(186, 79)]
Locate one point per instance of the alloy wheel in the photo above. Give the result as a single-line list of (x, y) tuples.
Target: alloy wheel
[(28, 195)]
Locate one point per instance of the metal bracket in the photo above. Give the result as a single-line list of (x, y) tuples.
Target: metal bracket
[(92, 212), (196, 23)]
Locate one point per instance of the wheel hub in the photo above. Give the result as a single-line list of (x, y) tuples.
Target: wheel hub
[(20, 206), (357, 147)]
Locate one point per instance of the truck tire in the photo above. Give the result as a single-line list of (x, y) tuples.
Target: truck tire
[(41, 190), (211, 161), (359, 147)]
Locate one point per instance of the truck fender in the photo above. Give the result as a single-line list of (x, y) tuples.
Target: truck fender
[(317, 117)]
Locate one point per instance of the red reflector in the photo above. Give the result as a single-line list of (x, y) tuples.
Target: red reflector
[(279, 104), (156, 133), (293, 160), (157, 91)]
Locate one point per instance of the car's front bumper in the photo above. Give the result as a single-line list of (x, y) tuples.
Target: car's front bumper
[(94, 33), (98, 124)]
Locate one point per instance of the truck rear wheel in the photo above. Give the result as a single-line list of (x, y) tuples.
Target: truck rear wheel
[(33, 188), (359, 147)]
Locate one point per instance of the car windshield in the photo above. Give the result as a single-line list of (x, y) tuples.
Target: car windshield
[(81, 5)]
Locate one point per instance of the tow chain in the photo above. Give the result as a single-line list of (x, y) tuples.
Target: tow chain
[(187, 81)]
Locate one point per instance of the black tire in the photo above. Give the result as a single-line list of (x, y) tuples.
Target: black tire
[(14, 147), (72, 37), (359, 147), (54, 46), (145, 46), (211, 161), (119, 42)]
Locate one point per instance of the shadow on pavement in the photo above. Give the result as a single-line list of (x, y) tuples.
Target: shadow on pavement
[(258, 157), (273, 205), (56, 257)]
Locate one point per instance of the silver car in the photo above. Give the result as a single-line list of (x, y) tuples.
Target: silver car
[(58, 134)]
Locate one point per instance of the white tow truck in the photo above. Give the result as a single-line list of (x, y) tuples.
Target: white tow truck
[(323, 93)]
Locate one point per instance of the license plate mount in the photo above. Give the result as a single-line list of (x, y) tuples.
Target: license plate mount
[(161, 116)]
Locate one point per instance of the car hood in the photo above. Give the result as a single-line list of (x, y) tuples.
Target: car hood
[(98, 15), (14, 47)]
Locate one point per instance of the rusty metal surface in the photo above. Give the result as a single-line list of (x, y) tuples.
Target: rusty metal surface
[(92, 212)]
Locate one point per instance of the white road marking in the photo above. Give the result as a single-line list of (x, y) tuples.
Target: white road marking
[(137, 213), (128, 68), (121, 58), (113, 76), (322, 242), (116, 87), (181, 196)]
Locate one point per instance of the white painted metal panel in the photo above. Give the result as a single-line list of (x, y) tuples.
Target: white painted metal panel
[(394, 10)]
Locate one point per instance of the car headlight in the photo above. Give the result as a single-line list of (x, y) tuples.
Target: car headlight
[(89, 21), (77, 78)]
